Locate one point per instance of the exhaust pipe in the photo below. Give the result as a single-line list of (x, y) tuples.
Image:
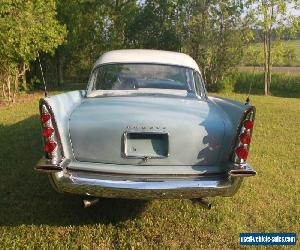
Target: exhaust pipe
[(89, 203), (202, 202)]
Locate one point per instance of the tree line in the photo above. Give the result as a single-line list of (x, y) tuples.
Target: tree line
[(69, 35)]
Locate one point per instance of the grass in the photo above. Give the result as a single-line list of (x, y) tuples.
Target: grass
[(33, 216)]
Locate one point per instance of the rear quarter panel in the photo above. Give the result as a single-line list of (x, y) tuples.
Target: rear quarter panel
[(234, 112), (62, 106)]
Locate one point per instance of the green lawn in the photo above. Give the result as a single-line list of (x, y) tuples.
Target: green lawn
[(32, 215)]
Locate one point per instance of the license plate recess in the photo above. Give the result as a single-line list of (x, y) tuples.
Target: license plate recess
[(146, 144)]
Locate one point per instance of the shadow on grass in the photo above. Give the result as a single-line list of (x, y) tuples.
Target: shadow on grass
[(28, 198)]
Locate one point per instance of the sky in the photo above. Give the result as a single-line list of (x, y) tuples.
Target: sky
[(295, 12)]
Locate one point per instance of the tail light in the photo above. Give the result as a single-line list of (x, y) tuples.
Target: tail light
[(248, 124), (47, 132), (245, 138), (242, 153), (45, 117), (52, 145), (243, 141)]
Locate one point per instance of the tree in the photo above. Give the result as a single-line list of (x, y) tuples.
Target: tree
[(26, 28), (158, 25), (217, 35), (93, 27), (274, 19)]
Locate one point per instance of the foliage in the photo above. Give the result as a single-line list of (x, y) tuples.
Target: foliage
[(26, 28), (274, 19), (215, 33), (94, 27), (99, 26), (216, 38), (35, 84), (34, 216), (283, 53), (158, 25), (283, 84)]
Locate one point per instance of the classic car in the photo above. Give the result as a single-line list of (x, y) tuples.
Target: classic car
[(145, 128)]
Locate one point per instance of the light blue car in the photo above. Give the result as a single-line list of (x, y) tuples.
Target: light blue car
[(145, 128)]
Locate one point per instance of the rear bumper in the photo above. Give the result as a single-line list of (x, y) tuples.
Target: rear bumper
[(144, 186)]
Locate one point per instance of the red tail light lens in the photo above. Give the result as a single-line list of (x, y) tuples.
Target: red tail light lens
[(45, 117), (248, 124), (242, 153), (52, 143), (245, 138), (47, 132), (50, 146)]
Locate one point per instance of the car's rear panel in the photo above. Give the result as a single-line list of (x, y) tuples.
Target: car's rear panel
[(147, 131)]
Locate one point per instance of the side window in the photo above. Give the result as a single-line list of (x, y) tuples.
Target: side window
[(91, 83), (199, 84), (203, 89)]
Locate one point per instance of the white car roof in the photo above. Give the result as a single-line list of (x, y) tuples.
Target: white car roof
[(147, 56)]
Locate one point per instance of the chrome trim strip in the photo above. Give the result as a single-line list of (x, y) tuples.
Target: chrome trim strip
[(244, 170), (48, 169), (48, 166), (242, 173), (147, 177)]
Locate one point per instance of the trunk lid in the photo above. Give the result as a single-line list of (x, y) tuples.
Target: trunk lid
[(168, 130)]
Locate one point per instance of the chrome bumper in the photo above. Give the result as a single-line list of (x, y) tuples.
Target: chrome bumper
[(146, 186)]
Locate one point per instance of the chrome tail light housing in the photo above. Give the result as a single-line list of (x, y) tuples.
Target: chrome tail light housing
[(243, 137), (52, 144)]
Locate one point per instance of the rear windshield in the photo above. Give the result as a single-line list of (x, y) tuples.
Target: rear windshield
[(139, 76), (145, 79)]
